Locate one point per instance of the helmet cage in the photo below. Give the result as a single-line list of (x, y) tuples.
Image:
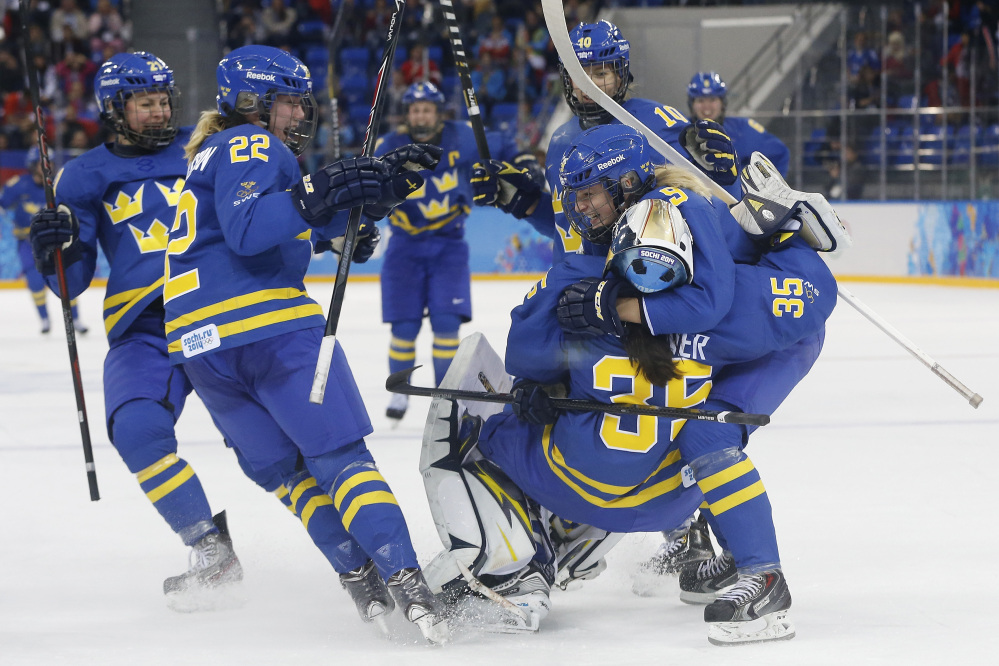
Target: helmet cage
[(424, 91)]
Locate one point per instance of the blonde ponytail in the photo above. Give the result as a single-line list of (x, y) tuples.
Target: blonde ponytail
[(681, 178), (209, 123)]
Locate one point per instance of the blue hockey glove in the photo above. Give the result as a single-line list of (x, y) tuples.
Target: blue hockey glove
[(589, 307), (366, 243), (53, 229), (395, 191), (503, 185), (531, 404), (413, 157), (712, 149), (340, 186)]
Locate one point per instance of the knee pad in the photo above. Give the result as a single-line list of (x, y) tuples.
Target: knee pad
[(142, 431), (445, 323), (406, 330)]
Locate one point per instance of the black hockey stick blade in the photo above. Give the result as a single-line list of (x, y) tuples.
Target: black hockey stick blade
[(398, 382)]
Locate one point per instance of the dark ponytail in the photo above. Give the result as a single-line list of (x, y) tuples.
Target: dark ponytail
[(652, 354)]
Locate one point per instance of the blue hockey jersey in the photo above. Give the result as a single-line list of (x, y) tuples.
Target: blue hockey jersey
[(749, 136), (125, 204), (23, 197), (439, 208), (239, 249)]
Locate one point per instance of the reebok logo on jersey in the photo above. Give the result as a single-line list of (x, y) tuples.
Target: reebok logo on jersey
[(200, 341), (260, 77), (609, 163)]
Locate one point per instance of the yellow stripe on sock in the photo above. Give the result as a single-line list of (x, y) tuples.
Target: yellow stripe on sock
[(737, 498), (376, 497), (402, 356), (726, 475), (157, 467), (301, 488), (402, 344), (445, 353), (161, 491), (312, 505), (447, 342), (353, 482)]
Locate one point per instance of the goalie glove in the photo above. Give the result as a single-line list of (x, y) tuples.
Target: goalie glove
[(501, 184), (712, 149), (772, 212)]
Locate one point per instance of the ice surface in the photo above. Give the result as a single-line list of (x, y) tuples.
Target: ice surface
[(883, 481)]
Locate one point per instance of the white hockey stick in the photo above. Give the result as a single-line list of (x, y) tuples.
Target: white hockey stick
[(555, 19), (477, 585)]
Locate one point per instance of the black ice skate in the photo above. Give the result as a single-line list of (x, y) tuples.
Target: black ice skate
[(214, 568), (369, 593), (700, 583), (680, 549), (754, 610), (411, 593), (397, 408)]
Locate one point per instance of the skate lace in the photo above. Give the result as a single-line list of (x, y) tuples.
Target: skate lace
[(205, 554), (676, 545), (713, 567), (744, 589)]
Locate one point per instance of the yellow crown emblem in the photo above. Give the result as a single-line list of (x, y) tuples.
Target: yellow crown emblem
[(171, 194), (125, 206), (154, 239), (448, 181), (436, 208)]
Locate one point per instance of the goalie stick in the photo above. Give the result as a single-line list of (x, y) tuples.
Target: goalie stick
[(555, 20), (397, 383), (467, 89), (67, 309), (354, 221)]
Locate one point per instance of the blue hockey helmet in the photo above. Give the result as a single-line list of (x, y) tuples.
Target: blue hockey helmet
[(250, 79), (122, 77), (619, 159), (32, 157), (652, 247), (597, 44), (424, 92), (706, 84)]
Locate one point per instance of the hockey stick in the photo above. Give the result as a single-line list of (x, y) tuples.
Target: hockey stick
[(555, 20), (468, 90), (397, 383), (354, 221), (67, 309), (477, 585), (331, 82)]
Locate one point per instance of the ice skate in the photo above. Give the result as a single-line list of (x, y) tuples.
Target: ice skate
[(529, 590), (701, 583), (214, 569), (46, 326), (419, 605), (369, 593), (754, 610), (682, 547), (397, 408)]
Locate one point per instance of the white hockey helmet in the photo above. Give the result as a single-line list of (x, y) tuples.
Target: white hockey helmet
[(652, 247)]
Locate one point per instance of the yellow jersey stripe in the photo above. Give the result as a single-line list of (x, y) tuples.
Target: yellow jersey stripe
[(259, 321), (558, 459), (737, 498), (168, 487), (355, 481), (728, 474), (157, 467), (376, 497), (136, 297), (246, 300)]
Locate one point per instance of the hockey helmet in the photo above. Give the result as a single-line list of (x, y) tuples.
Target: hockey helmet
[(598, 43), (125, 75)]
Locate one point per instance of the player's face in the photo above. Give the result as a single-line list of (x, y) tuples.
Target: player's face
[(603, 76), (148, 110), (286, 113), (422, 114), (707, 108), (596, 204)]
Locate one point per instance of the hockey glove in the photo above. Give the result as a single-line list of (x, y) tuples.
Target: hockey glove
[(531, 403), (395, 191), (54, 229), (366, 243), (501, 184), (589, 307), (712, 149), (413, 157), (339, 186)]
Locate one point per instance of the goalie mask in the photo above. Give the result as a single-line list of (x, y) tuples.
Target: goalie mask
[(600, 47), (607, 168), (423, 124), (251, 78), (652, 247), (145, 79)]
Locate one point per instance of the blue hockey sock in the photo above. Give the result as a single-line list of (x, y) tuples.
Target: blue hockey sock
[(402, 347)]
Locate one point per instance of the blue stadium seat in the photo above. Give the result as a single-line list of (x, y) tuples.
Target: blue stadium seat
[(813, 147), (354, 59), (316, 58), (503, 112), (932, 144), (355, 88), (989, 154), (436, 54), (311, 31)]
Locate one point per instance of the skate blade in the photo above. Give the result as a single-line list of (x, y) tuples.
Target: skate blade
[(434, 628), (771, 627), (472, 613), (697, 597)]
